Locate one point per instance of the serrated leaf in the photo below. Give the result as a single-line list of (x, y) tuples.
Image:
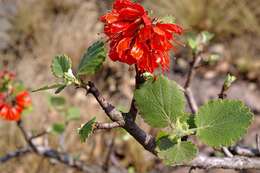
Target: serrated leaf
[(48, 87), (92, 59), (73, 113), (60, 65), (222, 122), (160, 102), (176, 153), (58, 128), (85, 130)]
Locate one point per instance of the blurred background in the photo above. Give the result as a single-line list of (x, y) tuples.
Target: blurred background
[(32, 32)]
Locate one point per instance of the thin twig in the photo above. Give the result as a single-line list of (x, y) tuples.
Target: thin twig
[(15, 154), (109, 153), (26, 136), (188, 93), (258, 142)]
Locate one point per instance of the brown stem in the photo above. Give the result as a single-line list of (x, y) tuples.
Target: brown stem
[(188, 93)]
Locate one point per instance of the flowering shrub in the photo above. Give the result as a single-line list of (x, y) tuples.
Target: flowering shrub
[(136, 39)]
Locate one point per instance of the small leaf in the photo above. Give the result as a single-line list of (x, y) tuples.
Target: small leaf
[(222, 122), (205, 37), (73, 113), (60, 65), (230, 79), (48, 87), (161, 102), (85, 130), (93, 59), (61, 88), (176, 153), (192, 43), (58, 128), (57, 101)]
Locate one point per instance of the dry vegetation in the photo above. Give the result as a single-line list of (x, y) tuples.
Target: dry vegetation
[(41, 29)]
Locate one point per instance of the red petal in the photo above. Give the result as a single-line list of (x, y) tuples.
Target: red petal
[(123, 45), (136, 51), (23, 99), (129, 14), (145, 34), (110, 17), (172, 28), (158, 31)]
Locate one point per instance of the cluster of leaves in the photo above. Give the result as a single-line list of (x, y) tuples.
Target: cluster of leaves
[(217, 123), (61, 67)]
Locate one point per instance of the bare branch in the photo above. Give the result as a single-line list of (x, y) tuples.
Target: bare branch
[(258, 142), (191, 100), (107, 125), (245, 151), (124, 119), (15, 154), (188, 93), (207, 162)]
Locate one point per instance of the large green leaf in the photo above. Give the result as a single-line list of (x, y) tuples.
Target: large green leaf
[(222, 122), (160, 102), (85, 130), (92, 59), (175, 152), (60, 65)]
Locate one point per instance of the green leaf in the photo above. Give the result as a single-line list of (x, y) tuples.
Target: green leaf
[(73, 113), (192, 43), (61, 88), (205, 37), (58, 128), (222, 122), (176, 153), (92, 59), (230, 79), (48, 87), (57, 101), (85, 130), (60, 65), (161, 102)]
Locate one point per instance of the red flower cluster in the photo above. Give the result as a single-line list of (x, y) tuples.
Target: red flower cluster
[(12, 104), (136, 39)]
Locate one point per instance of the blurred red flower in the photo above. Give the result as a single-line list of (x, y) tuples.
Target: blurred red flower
[(11, 108), (136, 39), (12, 103), (7, 74)]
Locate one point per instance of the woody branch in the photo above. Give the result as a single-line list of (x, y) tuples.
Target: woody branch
[(149, 143)]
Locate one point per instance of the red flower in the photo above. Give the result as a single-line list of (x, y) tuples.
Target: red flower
[(11, 109), (7, 74), (23, 99), (135, 39)]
